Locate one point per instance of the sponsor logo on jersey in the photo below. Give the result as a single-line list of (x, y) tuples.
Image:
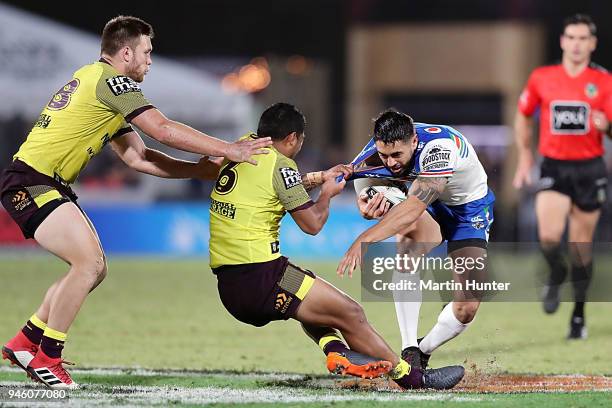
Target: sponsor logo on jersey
[(569, 117), (291, 177), (591, 90), (43, 121), (121, 84), (433, 130), (227, 210), (437, 158)]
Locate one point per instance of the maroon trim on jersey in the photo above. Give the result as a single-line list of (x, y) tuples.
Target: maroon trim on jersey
[(122, 132), (103, 60), (302, 207), (137, 112)]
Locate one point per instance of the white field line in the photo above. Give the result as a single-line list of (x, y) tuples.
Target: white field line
[(145, 372), (128, 396)]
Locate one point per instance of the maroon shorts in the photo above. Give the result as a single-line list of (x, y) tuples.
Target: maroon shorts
[(29, 196), (259, 293)]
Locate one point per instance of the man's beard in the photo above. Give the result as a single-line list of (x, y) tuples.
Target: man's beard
[(135, 75)]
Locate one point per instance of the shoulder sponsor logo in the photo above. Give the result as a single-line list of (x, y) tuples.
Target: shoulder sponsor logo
[(591, 90), (121, 84), (437, 157), (291, 177), (569, 117), (433, 130)]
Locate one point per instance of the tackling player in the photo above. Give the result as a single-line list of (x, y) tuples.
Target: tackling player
[(575, 101), (257, 284), (448, 199), (98, 106)]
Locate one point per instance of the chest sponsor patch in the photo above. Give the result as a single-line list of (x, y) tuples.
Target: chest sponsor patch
[(291, 177), (569, 117), (121, 84)]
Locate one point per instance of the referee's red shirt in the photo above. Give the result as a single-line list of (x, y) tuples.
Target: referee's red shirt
[(567, 131)]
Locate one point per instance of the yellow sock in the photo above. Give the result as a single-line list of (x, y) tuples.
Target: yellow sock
[(400, 370), (37, 322), (55, 335), (323, 341)]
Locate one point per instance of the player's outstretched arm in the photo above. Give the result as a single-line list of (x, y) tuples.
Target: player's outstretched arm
[(523, 126), (316, 178), (133, 152), (422, 192), (312, 219), (183, 137)]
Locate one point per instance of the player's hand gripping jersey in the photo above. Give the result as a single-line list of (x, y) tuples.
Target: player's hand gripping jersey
[(566, 128), (247, 205), (80, 119), (464, 209)]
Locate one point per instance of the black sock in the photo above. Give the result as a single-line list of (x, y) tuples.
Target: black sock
[(33, 332), (581, 279), (335, 346), (556, 262), (578, 310), (52, 347)]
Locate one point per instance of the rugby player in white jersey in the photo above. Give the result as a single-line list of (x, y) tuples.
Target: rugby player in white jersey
[(448, 199)]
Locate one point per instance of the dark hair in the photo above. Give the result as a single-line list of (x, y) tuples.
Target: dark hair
[(581, 19), (123, 30), (391, 126), (279, 120)]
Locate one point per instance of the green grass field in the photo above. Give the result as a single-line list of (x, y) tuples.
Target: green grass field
[(163, 314)]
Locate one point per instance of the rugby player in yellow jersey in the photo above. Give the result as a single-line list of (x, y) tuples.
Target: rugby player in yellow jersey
[(258, 285), (96, 107)]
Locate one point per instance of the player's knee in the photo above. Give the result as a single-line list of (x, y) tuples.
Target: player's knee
[(101, 269), (354, 313), (465, 311), (92, 267), (549, 239)]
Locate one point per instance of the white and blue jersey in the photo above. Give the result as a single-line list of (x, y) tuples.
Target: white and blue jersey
[(464, 209)]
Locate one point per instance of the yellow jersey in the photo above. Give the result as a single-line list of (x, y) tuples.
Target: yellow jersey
[(247, 205), (80, 119)]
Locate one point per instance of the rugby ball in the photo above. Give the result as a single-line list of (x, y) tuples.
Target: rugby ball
[(393, 195)]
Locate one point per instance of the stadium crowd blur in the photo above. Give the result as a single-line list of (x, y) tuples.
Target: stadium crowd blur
[(310, 68)]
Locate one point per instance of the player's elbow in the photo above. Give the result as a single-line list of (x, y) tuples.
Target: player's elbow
[(162, 131), (311, 229)]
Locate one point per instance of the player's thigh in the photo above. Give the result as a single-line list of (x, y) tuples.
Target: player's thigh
[(326, 305), (421, 237), (582, 224), (552, 210), (470, 263), (93, 228), (66, 233)]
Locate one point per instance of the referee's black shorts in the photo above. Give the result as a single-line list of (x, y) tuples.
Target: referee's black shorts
[(584, 181)]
